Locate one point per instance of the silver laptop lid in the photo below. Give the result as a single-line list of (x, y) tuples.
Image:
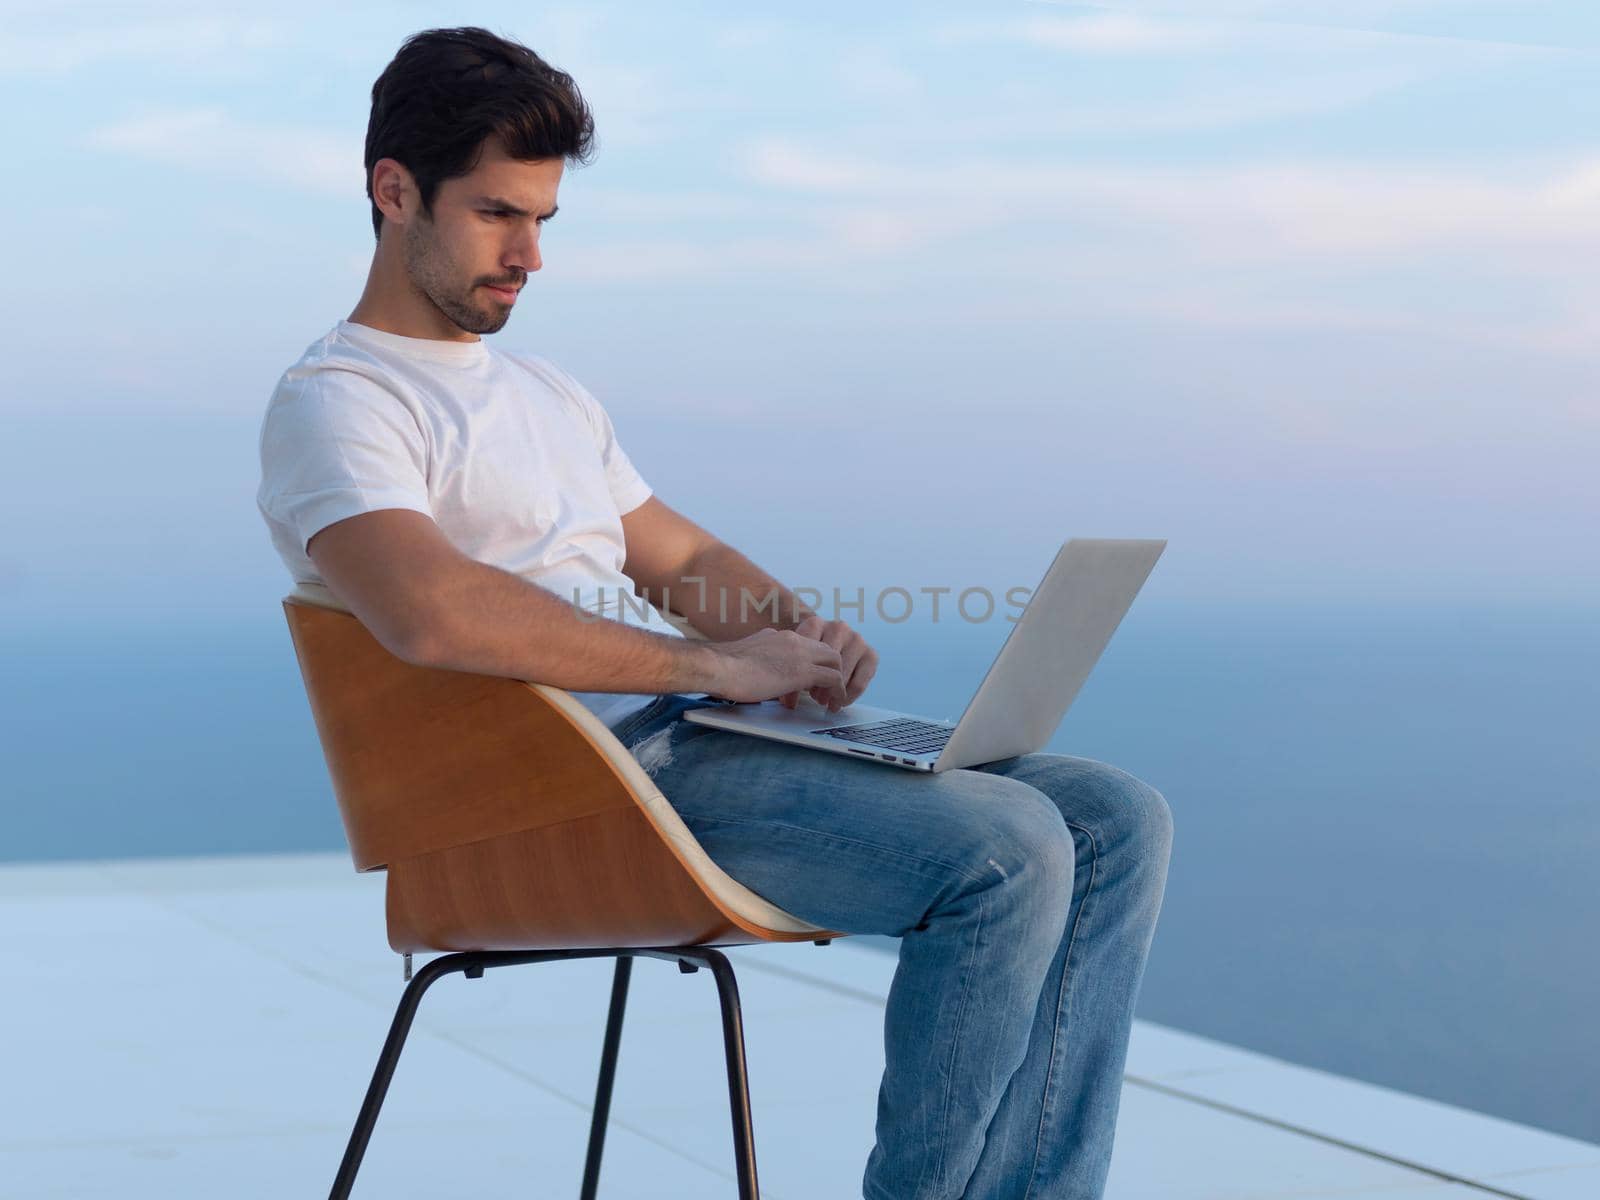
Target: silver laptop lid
[(1054, 645)]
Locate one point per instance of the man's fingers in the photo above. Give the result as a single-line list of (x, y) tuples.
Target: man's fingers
[(855, 656), (827, 658), (829, 692), (853, 651), (857, 665), (823, 653), (827, 682), (836, 654)]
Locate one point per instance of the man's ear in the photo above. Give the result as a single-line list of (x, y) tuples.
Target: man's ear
[(394, 191)]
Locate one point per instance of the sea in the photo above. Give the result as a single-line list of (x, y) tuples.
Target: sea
[(1387, 820)]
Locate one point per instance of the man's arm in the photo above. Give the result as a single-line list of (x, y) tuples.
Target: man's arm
[(726, 596), (432, 605), (677, 565)]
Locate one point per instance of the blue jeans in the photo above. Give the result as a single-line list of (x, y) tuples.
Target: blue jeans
[(1025, 893)]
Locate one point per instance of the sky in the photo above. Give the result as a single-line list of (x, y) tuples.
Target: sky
[(900, 295)]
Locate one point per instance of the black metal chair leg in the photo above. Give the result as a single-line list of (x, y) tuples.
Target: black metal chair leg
[(387, 1060), (608, 1074), (744, 1145), (473, 965)]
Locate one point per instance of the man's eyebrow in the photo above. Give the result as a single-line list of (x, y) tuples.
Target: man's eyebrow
[(507, 206)]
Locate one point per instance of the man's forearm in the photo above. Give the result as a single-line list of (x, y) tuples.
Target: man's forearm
[(490, 622), (726, 596)]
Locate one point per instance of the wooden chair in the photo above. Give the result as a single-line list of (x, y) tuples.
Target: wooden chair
[(515, 828)]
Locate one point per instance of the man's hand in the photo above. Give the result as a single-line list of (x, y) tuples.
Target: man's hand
[(774, 662), (858, 663)]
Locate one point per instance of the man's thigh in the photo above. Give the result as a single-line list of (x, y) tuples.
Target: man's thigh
[(848, 845)]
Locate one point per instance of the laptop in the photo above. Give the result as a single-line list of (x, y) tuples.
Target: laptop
[(1036, 676)]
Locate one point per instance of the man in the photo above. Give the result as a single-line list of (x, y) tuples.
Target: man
[(455, 496)]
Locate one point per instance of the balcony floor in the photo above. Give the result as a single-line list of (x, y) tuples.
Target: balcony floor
[(206, 1027)]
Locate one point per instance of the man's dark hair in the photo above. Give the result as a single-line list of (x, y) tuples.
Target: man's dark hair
[(447, 90)]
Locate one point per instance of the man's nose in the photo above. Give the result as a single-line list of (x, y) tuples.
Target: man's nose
[(524, 254)]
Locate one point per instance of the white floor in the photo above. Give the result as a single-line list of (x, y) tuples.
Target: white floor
[(207, 1027)]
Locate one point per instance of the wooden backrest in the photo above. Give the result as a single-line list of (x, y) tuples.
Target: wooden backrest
[(424, 760), (506, 813)]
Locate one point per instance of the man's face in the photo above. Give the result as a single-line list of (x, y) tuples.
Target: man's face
[(482, 243)]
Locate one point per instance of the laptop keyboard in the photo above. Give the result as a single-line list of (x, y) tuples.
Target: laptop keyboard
[(905, 734)]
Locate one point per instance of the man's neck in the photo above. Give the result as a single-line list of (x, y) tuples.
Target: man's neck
[(390, 303)]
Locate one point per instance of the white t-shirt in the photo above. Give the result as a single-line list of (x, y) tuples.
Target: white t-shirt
[(515, 462)]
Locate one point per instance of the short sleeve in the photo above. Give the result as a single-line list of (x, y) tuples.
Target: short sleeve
[(335, 444), (628, 488)]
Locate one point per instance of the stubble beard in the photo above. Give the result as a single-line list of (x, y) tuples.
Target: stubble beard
[(432, 273)]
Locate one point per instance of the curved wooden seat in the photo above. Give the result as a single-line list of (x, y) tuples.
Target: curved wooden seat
[(506, 814)]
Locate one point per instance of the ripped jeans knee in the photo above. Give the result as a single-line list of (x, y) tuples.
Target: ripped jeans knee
[(655, 752)]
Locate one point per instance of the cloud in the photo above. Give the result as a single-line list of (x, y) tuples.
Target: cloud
[(1114, 33), (873, 73), (1324, 247), (1457, 251), (1313, 207), (212, 141), (1094, 33), (640, 206), (1032, 112), (749, 35), (198, 39), (1160, 29), (649, 260)]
